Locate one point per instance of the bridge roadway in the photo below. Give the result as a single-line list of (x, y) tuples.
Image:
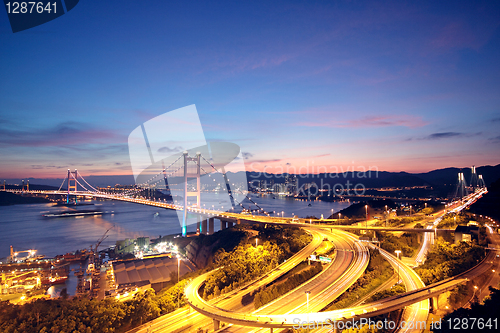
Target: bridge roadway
[(228, 216)]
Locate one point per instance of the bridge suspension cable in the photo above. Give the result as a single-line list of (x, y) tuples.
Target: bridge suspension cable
[(229, 192), (60, 187)]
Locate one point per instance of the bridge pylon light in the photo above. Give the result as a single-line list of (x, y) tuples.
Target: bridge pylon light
[(174, 141)]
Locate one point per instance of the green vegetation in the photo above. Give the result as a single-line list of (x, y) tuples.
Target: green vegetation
[(427, 211), (243, 264), (486, 316), (446, 260), (84, 315), (395, 290), (450, 221), (459, 295), (377, 272), (226, 239), (246, 262), (291, 282), (407, 243)]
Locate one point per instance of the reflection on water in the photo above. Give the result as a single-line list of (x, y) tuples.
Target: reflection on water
[(55, 291)]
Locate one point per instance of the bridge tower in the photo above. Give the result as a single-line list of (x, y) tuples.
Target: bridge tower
[(72, 184), (461, 186), (473, 179), (4, 185), (187, 194), (480, 182), (23, 186)]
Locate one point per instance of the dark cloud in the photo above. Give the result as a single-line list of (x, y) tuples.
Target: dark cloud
[(446, 135), (246, 155), (40, 167), (443, 135), (495, 139), (495, 120), (170, 150)]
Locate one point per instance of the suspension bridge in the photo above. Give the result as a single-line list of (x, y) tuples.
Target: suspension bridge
[(187, 176), (174, 187)]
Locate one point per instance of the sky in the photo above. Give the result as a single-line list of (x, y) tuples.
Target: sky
[(298, 85)]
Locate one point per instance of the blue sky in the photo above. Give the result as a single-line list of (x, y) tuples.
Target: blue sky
[(392, 85)]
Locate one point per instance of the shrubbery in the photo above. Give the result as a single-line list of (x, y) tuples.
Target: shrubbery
[(243, 264), (452, 220), (446, 260), (87, 316), (395, 290), (246, 262), (407, 243), (485, 316)]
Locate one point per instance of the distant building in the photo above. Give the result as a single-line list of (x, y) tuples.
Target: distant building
[(143, 243), (155, 271), (125, 246), (465, 233)]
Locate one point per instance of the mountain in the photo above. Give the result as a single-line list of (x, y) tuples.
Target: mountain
[(444, 179), (449, 175)]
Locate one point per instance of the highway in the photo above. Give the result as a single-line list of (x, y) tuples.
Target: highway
[(416, 310), (324, 288), (350, 263)]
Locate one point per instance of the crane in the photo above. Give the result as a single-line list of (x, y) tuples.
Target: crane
[(94, 266), (99, 241), (14, 254)]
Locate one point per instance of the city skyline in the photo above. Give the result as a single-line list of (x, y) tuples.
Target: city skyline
[(399, 87)]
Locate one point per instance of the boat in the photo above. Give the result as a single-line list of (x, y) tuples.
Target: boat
[(76, 256), (76, 213), (50, 281)]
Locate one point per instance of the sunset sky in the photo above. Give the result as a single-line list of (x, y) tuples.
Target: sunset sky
[(397, 86)]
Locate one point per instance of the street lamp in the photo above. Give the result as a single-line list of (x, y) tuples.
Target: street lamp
[(307, 296), (178, 269), (256, 240), (366, 211), (386, 215), (397, 253), (340, 217)]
